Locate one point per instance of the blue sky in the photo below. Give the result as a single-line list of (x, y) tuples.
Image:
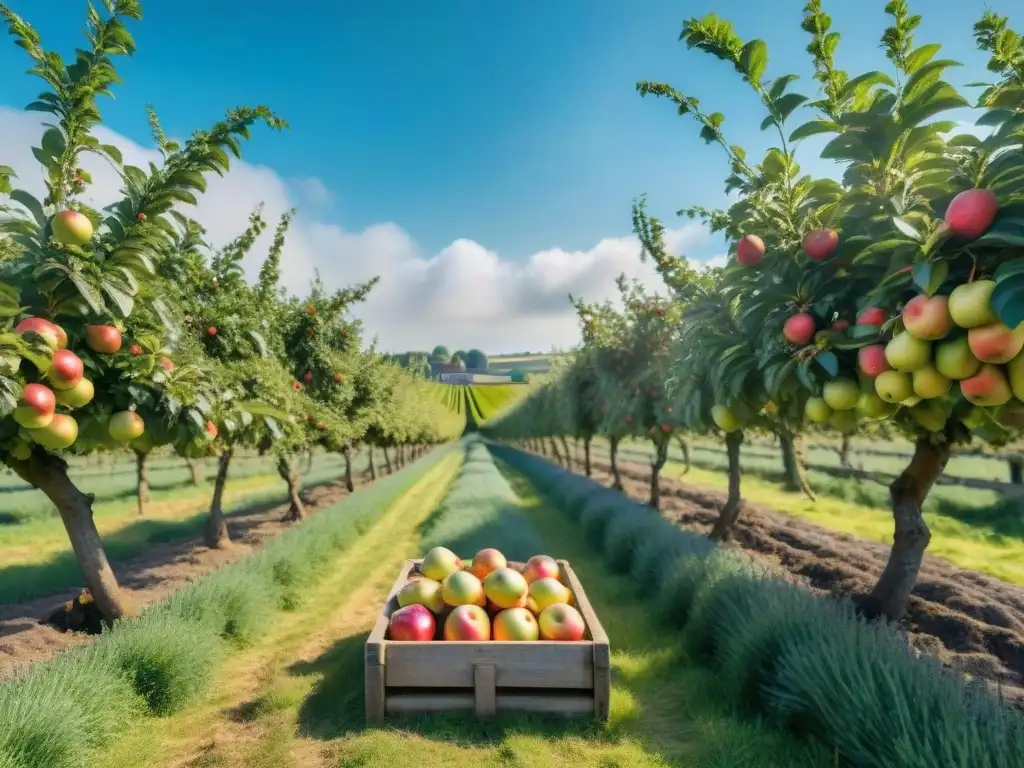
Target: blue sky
[(512, 124)]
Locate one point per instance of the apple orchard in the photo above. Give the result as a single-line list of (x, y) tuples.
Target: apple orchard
[(120, 329), (888, 298)]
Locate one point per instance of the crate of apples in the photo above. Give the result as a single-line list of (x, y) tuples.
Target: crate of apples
[(488, 598)]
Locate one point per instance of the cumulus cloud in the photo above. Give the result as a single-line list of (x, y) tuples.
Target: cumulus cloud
[(466, 295)]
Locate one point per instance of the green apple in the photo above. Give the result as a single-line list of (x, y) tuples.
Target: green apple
[(970, 305), (906, 353), (817, 410), (725, 419), (929, 383), (893, 386), (954, 359), (844, 421), (841, 394)]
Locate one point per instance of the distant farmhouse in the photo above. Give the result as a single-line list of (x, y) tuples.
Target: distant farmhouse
[(462, 367)]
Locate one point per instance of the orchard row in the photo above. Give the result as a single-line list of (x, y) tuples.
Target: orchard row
[(121, 328), (889, 299)]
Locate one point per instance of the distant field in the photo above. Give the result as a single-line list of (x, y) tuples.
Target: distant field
[(527, 363)]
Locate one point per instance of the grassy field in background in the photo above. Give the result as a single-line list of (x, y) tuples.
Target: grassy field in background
[(974, 529), (531, 364)]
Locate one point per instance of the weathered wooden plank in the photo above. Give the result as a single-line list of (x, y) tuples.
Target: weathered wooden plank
[(570, 705), (522, 665), (484, 691)]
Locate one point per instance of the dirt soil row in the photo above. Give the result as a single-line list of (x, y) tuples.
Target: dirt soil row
[(972, 622), (152, 576)]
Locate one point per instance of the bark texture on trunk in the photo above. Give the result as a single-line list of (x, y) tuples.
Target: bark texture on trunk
[(844, 451), (347, 455), (734, 503), (216, 533), (586, 457), (198, 469), (616, 477), (555, 452), (660, 457), (309, 461), (794, 472), (911, 536), (1016, 471), (296, 509), (372, 467), (142, 477), (387, 460), (49, 474)]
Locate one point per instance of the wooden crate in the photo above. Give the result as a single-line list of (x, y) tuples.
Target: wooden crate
[(567, 678)]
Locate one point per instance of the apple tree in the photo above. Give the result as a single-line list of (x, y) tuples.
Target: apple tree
[(872, 299), (72, 273)]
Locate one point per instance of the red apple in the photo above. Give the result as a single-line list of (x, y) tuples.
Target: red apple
[(310, 310), (140, 218), (320, 425), (412, 623), (126, 426), (995, 342), (307, 377), (750, 250), (35, 409), (871, 360), (104, 339), (71, 228), (338, 378), (166, 364), (297, 386), (819, 244), (66, 369), (799, 329), (211, 331), (485, 561), (78, 396), (211, 430), (135, 350), (927, 317), (561, 622), (972, 212), (51, 333), (872, 316), (840, 325), (541, 567), (467, 623)]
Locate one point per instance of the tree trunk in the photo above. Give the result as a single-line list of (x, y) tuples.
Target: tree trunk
[(844, 451), (309, 461), (554, 451), (216, 534), (543, 447), (684, 448), (616, 477), (660, 457), (586, 457), (372, 468), (142, 475), (288, 473), (349, 485), (795, 476), (198, 469), (1016, 471), (49, 474), (911, 535), (565, 450), (387, 460), (734, 503)]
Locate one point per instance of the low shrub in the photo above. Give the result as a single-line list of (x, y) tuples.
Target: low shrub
[(168, 660), (623, 533), (656, 554)]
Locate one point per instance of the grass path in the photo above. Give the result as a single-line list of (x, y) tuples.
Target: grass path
[(297, 698), (235, 726)]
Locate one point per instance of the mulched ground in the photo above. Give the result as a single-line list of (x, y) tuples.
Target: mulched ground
[(152, 576), (972, 622)]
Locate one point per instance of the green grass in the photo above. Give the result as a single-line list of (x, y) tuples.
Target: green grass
[(973, 529), (63, 713)]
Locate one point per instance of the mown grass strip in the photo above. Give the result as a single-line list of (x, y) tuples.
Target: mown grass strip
[(59, 713), (783, 653)]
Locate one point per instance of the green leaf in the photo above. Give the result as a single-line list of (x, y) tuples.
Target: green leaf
[(1008, 269), (813, 128), (708, 134), (87, 292), (930, 275), (779, 86), (1008, 301), (34, 206), (1005, 231), (907, 229), (788, 103), (754, 60), (123, 299), (921, 56), (829, 362), (53, 142), (112, 152)]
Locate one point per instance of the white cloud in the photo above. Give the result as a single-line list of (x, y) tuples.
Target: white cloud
[(467, 295)]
